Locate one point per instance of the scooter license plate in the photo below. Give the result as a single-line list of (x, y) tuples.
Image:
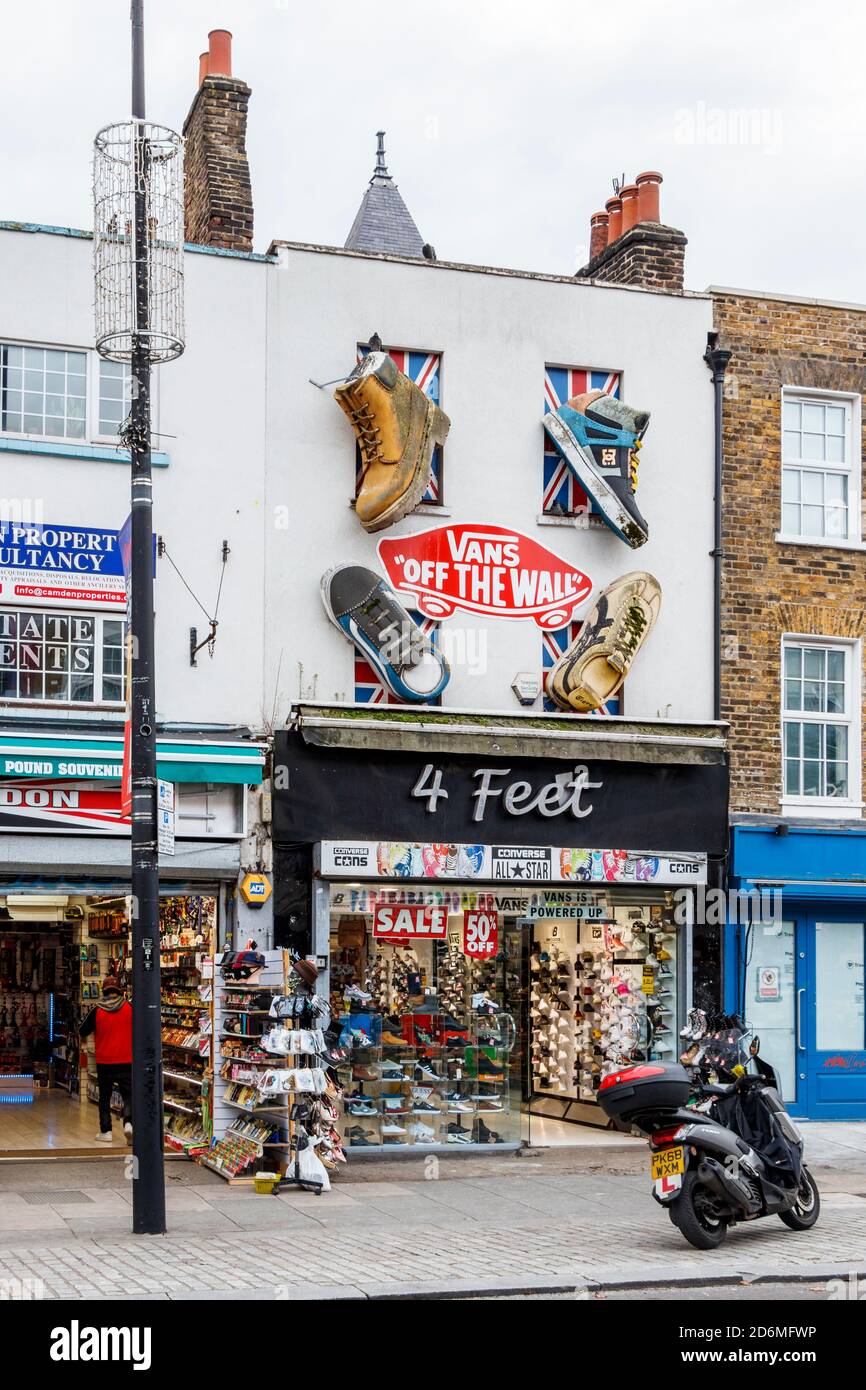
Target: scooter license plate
[(667, 1163)]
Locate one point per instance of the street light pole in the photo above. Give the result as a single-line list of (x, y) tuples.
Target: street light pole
[(148, 1184)]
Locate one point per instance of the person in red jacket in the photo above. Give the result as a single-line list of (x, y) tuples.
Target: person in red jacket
[(111, 1024)]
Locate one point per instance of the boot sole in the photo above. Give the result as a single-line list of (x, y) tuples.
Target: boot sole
[(593, 483), (438, 426)]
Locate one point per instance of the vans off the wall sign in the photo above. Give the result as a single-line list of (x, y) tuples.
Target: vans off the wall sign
[(484, 569)]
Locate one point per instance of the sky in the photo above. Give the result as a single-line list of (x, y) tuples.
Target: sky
[(506, 121)]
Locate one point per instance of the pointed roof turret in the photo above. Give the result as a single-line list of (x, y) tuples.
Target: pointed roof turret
[(383, 222)]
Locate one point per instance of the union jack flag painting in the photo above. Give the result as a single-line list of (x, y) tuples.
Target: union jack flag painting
[(553, 644), (563, 495), (423, 369), (369, 690)]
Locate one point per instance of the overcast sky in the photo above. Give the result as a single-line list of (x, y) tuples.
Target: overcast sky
[(505, 121)]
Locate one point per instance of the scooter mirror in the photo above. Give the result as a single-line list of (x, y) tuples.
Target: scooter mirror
[(755, 1045)]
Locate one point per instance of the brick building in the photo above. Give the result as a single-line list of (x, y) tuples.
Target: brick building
[(793, 624)]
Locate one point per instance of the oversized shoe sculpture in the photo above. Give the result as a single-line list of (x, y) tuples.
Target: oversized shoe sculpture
[(397, 428), (594, 667), (364, 607), (599, 438)]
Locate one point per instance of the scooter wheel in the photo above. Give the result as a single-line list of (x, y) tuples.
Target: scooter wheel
[(806, 1210), (694, 1214)]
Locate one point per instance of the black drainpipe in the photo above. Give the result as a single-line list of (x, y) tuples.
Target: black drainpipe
[(717, 360)]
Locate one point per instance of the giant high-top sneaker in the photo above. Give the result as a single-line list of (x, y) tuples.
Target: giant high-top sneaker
[(397, 427), (594, 667), (366, 610), (599, 437)]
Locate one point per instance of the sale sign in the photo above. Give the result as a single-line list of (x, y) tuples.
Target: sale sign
[(480, 934), (394, 923), (484, 569)]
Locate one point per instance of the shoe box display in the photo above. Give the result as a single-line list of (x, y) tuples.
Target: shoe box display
[(430, 1050), (602, 996)]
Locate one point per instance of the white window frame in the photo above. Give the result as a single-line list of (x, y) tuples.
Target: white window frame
[(826, 807), (91, 434), (9, 341), (98, 617), (853, 469)]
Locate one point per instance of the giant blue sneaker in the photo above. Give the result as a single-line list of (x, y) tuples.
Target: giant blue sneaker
[(367, 611), (599, 437)]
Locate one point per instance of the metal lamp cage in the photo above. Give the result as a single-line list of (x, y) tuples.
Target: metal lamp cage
[(128, 157)]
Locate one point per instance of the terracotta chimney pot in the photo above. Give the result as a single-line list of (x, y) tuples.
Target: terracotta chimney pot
[(613, 208), (597, 234), (628, 194), (203, 59), (648, 196), (220, 57)]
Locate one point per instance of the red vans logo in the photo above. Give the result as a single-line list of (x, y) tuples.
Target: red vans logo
[(484, 569)]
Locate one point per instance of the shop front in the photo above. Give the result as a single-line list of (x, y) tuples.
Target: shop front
[(503, 905), (65, 915), (795, 944)]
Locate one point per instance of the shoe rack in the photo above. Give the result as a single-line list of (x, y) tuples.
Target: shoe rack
[(602, 995), (187, 934), (257, 1131)]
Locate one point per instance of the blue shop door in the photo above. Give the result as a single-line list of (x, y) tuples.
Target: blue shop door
[(770, 1000), (831, 1022)]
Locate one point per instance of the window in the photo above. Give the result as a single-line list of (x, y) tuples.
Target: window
[(43, 391), (115, 396), (819, 484), (425, 369), (817, 701), (562, 494), (71, 657)]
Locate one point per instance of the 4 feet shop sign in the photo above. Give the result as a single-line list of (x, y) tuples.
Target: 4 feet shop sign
[(484, 569)]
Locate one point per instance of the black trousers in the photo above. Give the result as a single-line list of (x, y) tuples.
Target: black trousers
[(109, 1075)]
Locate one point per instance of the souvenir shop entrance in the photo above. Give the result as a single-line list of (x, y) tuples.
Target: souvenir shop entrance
[(60, 944)]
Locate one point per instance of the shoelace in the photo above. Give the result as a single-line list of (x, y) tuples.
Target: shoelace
[(629, 626), (369, 433), (406, 641), (633, 462)]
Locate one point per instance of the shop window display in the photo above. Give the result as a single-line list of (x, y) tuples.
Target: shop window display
[(433, 1056), (453, 1049), (602, 995)]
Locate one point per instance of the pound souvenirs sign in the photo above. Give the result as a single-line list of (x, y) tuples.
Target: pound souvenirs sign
[(484, 569)]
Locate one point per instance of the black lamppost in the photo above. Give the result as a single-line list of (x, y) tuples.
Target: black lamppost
[(138, 264)]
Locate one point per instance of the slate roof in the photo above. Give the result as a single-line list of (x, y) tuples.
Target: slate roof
[(383, 221)]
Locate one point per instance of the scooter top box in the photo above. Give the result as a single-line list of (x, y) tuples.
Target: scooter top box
[(644, 1087)]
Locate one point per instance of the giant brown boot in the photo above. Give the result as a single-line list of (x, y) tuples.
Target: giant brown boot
[(397, 427)]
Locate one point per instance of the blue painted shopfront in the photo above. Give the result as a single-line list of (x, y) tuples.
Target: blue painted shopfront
[(799, 979)]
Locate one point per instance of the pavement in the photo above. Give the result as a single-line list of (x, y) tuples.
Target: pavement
[(572, 1222)]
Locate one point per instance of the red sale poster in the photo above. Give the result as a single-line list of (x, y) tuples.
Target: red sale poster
[(480, 934)]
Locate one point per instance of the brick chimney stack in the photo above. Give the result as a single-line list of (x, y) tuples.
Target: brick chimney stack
[(640, 249), (218, 199)]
